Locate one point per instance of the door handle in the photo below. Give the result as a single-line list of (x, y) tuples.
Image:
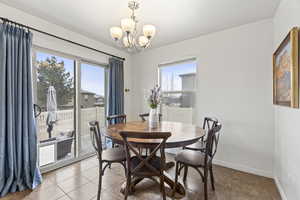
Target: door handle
[(37, 110)]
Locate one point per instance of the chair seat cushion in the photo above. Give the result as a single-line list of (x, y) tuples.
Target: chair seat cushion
[(198, 146), (114, 154), (145, 170), (190, 157)]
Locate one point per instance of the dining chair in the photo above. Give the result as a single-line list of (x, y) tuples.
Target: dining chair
[(141, 166), (145, 115), (106, 157), (200, 161), (115, 119), (208, 124)]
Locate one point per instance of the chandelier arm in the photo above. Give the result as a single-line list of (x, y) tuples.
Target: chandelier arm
[(133, 15), (129, 43)]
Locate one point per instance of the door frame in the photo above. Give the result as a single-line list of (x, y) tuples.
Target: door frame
[(77, 113)]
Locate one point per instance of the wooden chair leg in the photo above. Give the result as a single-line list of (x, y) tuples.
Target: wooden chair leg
[(128, 184), (162, 187), (185, 173), (176, 180), (205, 183), (212, 177), (100, 182)]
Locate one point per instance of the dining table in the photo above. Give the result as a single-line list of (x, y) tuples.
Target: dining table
[(182, 134)]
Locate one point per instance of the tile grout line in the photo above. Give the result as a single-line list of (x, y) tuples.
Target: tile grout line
[(62, 191), (67, 193)]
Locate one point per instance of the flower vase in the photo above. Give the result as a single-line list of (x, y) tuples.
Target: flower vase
[(153, 118)]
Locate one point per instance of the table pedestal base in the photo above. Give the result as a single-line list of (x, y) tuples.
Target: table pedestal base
[(179, 192)]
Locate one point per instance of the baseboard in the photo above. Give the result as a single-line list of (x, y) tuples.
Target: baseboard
[(280, 189), (238, 167), (244, 168)]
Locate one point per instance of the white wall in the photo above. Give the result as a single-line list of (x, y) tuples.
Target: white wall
[(59, 45), (287, 120), (234, 83)]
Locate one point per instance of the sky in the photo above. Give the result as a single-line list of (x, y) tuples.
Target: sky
[(170, 79), (92, 77)]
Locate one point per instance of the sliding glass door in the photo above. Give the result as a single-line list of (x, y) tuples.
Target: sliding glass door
[(55, 94), (92, 102), (69, 93)]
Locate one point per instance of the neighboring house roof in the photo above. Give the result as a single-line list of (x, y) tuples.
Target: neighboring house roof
[(97, 96), (188, 74), (86, 92)]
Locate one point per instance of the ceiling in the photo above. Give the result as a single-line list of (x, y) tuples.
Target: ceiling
[(176, 20)]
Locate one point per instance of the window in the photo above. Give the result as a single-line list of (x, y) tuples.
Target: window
[(178, 84)]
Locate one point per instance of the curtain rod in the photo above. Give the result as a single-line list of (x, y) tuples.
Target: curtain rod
[(60, 38)]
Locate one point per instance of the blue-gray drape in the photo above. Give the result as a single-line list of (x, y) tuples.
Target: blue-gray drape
[(18, 139), (116, 87)]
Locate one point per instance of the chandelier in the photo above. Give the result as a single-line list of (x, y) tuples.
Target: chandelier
[(127, 35)]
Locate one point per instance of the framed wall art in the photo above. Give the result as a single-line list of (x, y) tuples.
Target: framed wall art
[(286, 71)]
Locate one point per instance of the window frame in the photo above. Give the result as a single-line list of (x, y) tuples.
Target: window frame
[(194, 91)]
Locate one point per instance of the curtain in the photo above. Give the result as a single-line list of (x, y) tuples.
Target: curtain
[(116, 87), (18, 139)]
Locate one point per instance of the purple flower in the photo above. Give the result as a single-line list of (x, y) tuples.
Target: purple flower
[(155, 97)]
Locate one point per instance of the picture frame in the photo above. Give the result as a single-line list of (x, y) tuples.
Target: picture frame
[(286, 71)]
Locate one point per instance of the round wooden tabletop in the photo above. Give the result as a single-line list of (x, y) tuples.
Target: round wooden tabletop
[(182, 134)]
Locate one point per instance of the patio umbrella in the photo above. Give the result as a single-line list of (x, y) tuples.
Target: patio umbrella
[(51, 109)]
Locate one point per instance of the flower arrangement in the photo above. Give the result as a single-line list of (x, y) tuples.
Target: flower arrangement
[(154, 98)]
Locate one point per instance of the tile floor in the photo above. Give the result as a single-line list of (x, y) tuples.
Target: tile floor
[(79, 182)]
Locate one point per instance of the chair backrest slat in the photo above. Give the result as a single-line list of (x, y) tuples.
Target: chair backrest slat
[(131, 141), (208, 123), (96, 137), (145, 115), (212, 140), (115, 119)]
